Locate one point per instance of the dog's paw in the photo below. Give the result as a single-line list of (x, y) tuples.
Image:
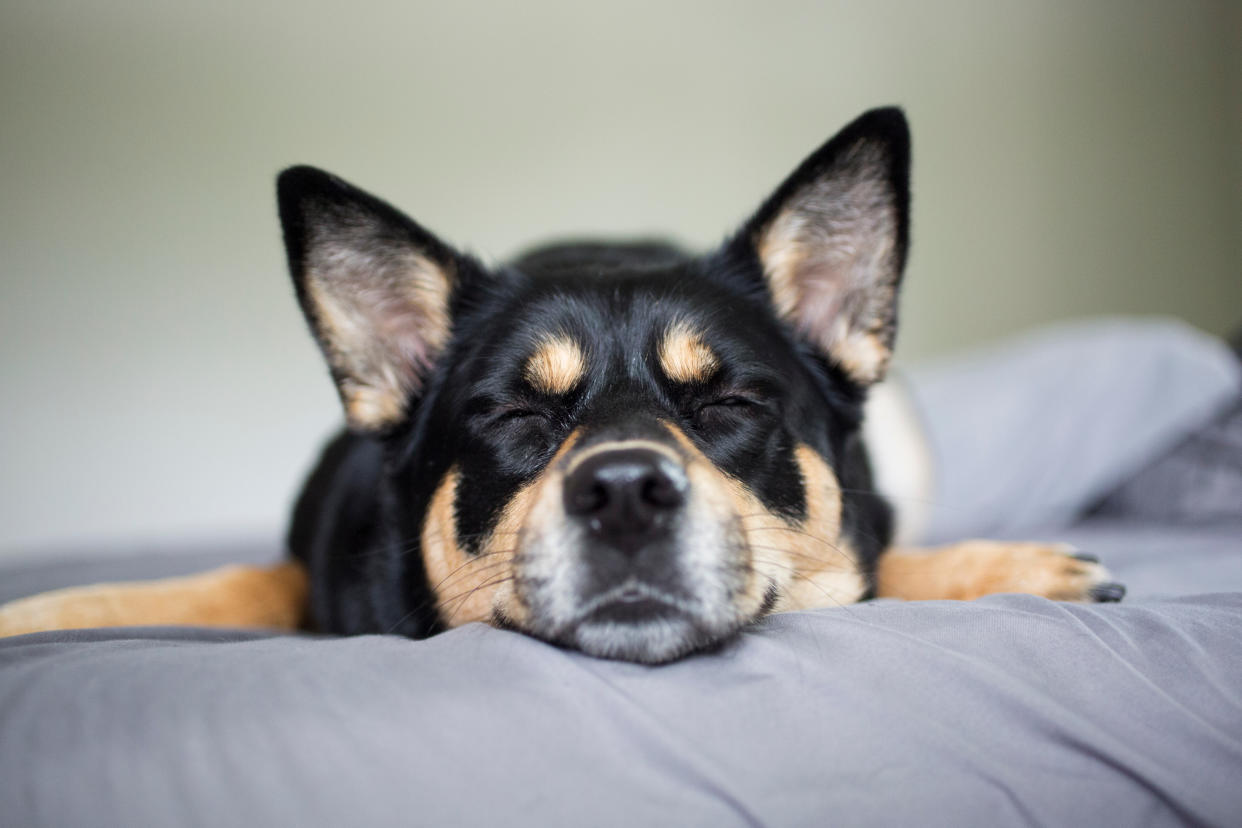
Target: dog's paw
[(971, 569), (1056, 571)]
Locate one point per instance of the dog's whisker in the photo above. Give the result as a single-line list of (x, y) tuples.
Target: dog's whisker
[(406, 547), (434, 599), (785, 528), (405, 617), (440, 602), (819, 564), (799, 533), (399, 551), (464, 598), (464, 594), (465, 572), (473, 560), (793, 530), (803, 576)]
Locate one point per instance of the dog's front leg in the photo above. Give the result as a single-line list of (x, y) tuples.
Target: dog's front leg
[(234, 596), (968, 570)]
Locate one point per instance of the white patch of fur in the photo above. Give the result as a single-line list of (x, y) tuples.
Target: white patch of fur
[(713, 549), (901, 457), (548, 559)]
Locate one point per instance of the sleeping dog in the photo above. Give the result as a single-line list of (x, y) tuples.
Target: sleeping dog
[(619, 448)]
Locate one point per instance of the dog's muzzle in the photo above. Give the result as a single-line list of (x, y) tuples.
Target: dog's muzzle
[(628, 503), (643, 563)]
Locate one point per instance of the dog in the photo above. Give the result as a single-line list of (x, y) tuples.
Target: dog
[(619, 448)]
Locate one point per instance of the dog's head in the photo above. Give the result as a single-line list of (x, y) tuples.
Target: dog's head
[(620, 448)]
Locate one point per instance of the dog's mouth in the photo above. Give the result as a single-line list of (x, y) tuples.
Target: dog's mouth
[(632, 622), (638, 622), (632, 602)]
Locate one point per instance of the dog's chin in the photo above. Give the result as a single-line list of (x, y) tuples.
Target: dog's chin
[(633, 621), (652, 641), (644, 631)]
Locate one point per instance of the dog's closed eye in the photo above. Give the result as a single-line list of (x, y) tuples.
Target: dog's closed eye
[(727, 408), (729, 402), (527, 423)]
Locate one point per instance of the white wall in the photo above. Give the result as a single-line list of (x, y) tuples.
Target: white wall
[(1071, 158)]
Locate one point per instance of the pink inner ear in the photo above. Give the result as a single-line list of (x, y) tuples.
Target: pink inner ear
[(383, 321), (410, 322), (831, 263), (822, 308)]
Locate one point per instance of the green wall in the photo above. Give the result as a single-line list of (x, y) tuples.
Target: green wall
[(1071, 158)]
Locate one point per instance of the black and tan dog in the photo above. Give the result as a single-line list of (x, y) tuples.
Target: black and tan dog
[(619, 448)]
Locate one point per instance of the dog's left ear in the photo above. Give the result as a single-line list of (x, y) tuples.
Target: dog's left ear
[(376, 289), (832, 243)]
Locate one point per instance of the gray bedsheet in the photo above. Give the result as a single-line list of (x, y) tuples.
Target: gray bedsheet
[(1009, 710)]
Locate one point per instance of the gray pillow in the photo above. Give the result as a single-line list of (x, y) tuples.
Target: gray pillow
[(1031, 433), (1199, 480)]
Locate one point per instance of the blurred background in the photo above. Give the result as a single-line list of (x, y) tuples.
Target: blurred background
[(1071, 158)]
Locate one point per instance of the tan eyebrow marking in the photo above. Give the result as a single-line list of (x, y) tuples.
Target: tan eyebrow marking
[(684, 357), (557, 365)]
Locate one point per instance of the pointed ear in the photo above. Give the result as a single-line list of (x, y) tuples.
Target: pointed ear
[(832, 243), (375, 288)]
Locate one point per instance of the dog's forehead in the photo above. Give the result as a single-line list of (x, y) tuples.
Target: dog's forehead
[(612, 323)]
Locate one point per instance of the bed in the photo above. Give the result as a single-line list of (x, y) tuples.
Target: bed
[(1007, 710)]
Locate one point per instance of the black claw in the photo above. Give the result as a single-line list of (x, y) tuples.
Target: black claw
[(1085, 557), (1109, 593)]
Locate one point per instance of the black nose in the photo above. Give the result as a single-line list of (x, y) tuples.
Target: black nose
[(626, 495)]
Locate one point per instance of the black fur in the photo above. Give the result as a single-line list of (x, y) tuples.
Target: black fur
[(358, 521)]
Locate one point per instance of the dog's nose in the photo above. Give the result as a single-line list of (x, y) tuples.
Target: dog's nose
[(626, 495)]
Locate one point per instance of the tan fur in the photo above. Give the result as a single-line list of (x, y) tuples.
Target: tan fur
[(969, 570), (616, 445), (807, 561), (556, 366), (468, 587), (457, 579), (782, 255), (828, 573), (478, 587), (533, 511), (684, 357), (504, 598), (234, 596), (379, 347), (811, 563), (864, 356)]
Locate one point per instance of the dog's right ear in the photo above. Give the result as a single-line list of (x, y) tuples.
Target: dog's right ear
[(831, 243), (375, 288)]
